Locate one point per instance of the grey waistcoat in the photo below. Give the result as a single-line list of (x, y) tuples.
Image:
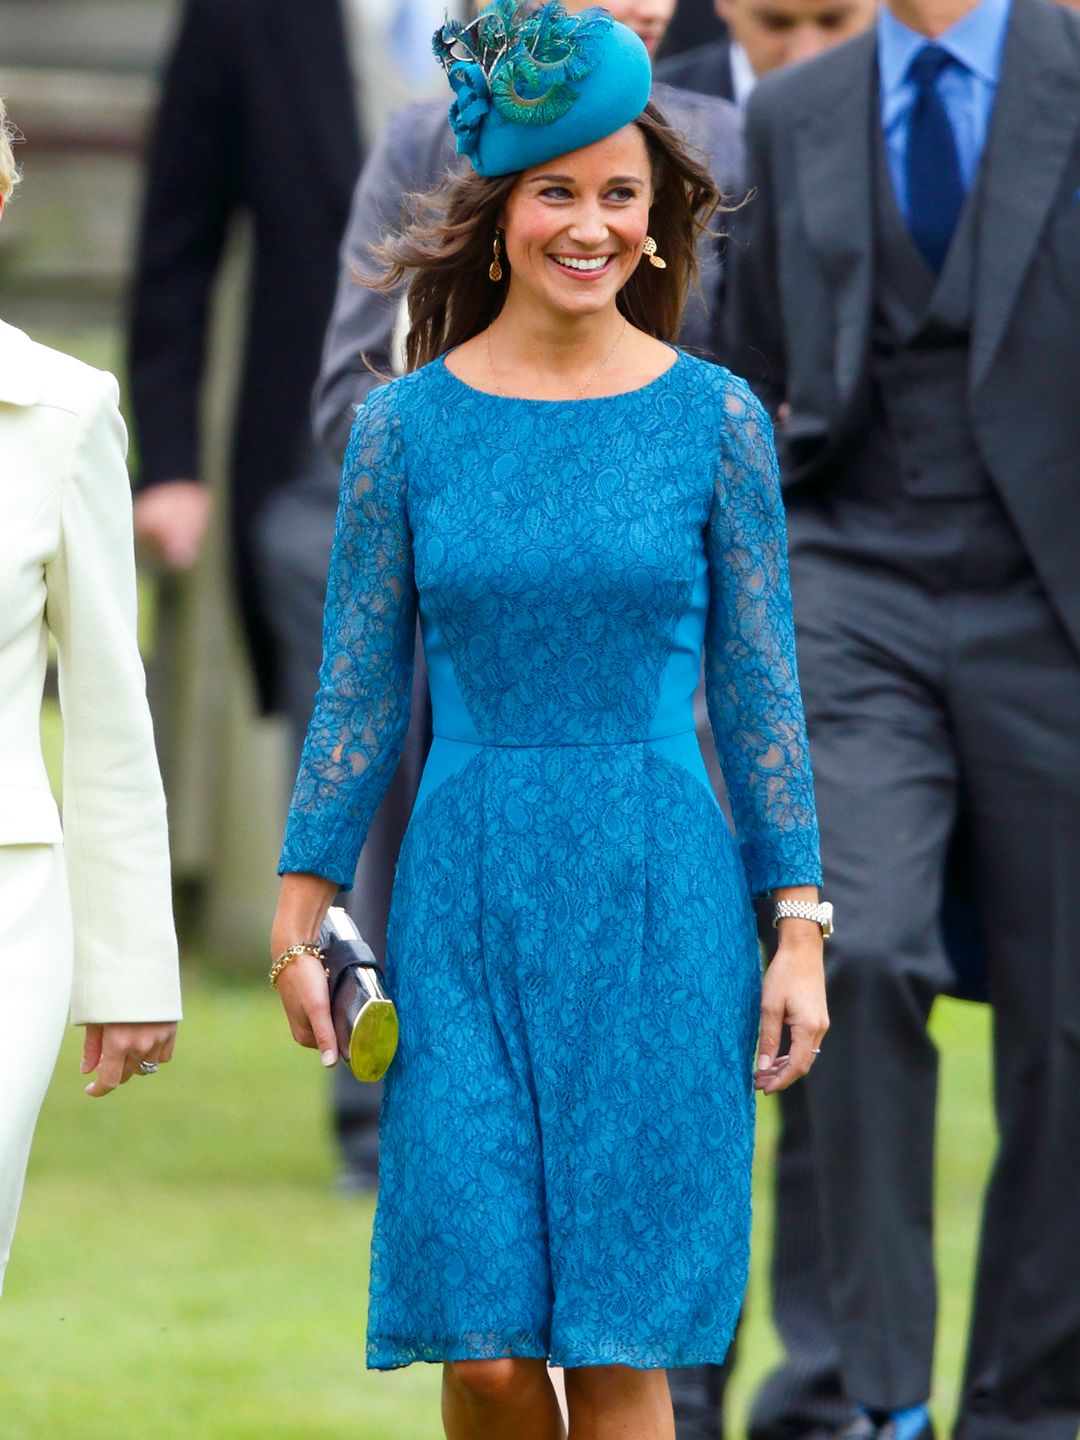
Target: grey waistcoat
[(925, 444)]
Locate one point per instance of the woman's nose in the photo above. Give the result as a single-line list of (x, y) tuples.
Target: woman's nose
[(588, 226)]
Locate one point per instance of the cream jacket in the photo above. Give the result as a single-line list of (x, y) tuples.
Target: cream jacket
[(67, 569)]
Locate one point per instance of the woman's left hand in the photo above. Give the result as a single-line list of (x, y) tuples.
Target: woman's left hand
[(117, 1051), (793, 994)]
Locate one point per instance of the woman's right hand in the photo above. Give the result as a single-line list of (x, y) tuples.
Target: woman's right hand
[(302, 906), (306, 998)]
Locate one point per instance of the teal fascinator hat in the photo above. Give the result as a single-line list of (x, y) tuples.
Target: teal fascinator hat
[(531, 82)]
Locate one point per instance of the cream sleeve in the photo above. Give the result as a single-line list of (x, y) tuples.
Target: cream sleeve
[(115, 834)]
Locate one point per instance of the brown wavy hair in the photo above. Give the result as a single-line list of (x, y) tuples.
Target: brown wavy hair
[(444, 251), (9, 173)]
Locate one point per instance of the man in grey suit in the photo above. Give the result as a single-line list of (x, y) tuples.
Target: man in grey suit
[(907, 299)]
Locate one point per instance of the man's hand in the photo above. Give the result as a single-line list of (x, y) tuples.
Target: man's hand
[(171, 520)]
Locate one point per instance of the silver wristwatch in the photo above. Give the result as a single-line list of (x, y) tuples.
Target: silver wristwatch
[(821, 913)]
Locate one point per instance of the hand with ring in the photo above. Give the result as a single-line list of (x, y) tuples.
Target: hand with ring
[(793, 995), (119, 1051)]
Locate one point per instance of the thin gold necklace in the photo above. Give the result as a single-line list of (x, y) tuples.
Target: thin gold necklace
[(590, 381)]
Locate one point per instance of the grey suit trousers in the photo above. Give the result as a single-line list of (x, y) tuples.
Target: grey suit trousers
[(935, 675)]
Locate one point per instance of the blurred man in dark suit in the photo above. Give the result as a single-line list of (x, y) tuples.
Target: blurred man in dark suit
[(907, 300), (803, 1398), (763, 35), (257, 115), (694, 23), (258, 118)]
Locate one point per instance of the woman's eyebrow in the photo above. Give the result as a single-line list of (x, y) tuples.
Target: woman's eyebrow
[(569, 180)]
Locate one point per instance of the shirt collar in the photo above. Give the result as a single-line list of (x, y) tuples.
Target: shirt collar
[(743, 78), (976, 41)]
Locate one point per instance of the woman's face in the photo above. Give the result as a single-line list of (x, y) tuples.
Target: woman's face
[(574, 227)]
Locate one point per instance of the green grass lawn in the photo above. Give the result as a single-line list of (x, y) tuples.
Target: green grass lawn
[(183, 1269)]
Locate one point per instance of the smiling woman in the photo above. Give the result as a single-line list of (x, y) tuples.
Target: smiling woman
[(580, 515), (642, 175)]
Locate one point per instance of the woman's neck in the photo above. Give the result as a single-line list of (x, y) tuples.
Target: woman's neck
[(546, 343)]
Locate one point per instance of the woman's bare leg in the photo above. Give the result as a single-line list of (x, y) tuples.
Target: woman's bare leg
[(507, 1399), (614, 1402)]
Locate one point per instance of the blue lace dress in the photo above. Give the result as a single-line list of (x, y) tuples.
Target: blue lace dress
[(568, 1124)]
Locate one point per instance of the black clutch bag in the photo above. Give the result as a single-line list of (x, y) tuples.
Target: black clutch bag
[(364, 1017)]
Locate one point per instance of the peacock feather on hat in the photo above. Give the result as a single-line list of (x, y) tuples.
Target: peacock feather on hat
[(525, 56)]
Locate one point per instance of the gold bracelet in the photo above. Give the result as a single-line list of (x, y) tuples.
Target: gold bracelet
[(288, 956)]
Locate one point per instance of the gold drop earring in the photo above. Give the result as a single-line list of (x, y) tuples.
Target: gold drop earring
[(649, 249), (495, 270)]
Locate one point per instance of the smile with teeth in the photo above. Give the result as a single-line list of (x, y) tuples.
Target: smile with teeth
[(587, 264)]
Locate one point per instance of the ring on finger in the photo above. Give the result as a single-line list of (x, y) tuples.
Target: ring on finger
[(148, 1067)]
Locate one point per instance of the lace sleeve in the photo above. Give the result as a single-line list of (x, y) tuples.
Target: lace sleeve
[(752, 684), (362, 710)]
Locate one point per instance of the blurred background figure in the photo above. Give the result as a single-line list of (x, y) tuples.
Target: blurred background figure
[(763, 35), (803, 1398), (694, 23), (220, 150), (390, 41), (917, 326), (258, 127)]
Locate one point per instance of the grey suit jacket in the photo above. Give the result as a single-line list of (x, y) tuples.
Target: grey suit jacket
[(800, 311), (414, 154)]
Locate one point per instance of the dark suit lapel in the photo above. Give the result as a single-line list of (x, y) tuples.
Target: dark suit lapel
[(835, 195), (1035, 124), (318, 80)]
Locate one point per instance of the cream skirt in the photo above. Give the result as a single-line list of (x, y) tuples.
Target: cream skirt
[(35, 992)]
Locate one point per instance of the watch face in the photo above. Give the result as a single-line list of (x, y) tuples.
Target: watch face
[(826, 918)]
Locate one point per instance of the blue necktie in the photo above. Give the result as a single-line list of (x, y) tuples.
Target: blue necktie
[(935, 187)]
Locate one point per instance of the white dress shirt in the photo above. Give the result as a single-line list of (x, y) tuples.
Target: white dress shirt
[(743, 78)]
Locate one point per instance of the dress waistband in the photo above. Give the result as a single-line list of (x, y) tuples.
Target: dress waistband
[(561, 744)]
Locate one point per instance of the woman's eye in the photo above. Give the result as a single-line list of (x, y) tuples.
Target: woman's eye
[(555, 192), (621, 192)]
